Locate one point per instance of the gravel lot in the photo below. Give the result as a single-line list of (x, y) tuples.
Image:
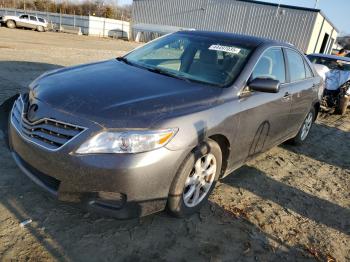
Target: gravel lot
[(291, 203)]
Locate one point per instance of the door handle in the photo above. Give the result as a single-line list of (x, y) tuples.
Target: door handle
[(286, 95)]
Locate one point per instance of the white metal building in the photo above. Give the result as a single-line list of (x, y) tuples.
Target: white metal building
[(308, 29)]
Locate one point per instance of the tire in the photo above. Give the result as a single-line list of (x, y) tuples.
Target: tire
[(40, 28), (11, 24), (304, 131), (343, 104), (181, 203)]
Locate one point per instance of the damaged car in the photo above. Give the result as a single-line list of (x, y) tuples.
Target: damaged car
[(156, 128), (336, 96)]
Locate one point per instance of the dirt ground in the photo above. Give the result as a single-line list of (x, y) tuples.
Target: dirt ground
[(290, 204)]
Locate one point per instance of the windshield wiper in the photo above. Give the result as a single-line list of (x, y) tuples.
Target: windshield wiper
[(167, 73), (123, 59), (178, 76)]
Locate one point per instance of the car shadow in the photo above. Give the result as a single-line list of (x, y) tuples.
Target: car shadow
[(68, 233), (15, 76), (319, 210), (323, 144)]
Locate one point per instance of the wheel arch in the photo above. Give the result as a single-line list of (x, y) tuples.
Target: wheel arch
[(224, 144), (8, 20), (317, 107)]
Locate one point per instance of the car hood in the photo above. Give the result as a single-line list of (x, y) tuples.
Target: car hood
[(113, 92)]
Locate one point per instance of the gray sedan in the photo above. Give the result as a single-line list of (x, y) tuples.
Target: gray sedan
[(157, 128)]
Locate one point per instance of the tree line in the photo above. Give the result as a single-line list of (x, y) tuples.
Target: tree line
[(99, 8)]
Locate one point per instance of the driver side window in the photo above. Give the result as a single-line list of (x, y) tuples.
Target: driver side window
[(271, 65), (168, 56)]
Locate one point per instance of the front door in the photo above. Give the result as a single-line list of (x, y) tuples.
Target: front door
[(263, 121)]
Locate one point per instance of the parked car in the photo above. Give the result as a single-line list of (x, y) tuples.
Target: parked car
[(25, 21), (156, 128), (336, 96)]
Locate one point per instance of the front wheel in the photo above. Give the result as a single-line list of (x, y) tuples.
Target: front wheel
[(305, 128), (40, 28), (195, 180)]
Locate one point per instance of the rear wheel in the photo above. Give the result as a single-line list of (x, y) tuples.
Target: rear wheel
[(195, 180), (11, 24), (305, 128)]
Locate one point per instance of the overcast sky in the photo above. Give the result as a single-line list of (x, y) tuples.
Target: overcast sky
[(338, 11)]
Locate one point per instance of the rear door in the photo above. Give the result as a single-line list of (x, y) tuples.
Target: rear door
[(301, 88)]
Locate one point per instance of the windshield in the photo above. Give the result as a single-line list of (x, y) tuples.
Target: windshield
[(332, 64), (193, 58)]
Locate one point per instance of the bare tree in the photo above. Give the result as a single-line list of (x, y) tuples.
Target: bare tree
[(103, 8)]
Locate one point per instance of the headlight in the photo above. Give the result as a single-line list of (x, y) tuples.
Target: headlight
[(127, 142)]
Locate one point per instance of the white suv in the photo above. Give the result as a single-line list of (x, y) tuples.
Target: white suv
[(27, 21)]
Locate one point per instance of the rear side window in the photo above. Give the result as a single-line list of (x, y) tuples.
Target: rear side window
[(24, 17), (309, 73), (271, 65), (41, 20), (32, 18), (296, 65)]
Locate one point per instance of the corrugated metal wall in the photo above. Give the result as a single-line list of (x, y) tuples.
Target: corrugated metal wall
[(291, 25)]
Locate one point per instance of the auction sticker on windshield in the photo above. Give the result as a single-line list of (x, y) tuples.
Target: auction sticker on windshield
[(228, 49)]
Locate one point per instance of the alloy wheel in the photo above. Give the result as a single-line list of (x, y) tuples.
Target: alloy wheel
[(306, 126), (200, 180)]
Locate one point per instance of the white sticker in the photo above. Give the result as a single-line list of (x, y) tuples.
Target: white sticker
[(228, 49)]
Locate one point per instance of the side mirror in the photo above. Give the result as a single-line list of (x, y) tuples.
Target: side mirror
[(266, 85)]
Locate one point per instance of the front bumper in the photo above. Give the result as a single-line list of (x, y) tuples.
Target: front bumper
[(141, 180)]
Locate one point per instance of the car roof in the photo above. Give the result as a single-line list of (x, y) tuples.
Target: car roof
[(245, 39), (335, 57)]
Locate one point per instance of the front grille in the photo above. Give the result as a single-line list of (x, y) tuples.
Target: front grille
[(48, 133)]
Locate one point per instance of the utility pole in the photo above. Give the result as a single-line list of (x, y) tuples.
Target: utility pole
[(278, 9), (316, 4)]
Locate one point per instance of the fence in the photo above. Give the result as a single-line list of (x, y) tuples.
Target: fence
[(89, 25)]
